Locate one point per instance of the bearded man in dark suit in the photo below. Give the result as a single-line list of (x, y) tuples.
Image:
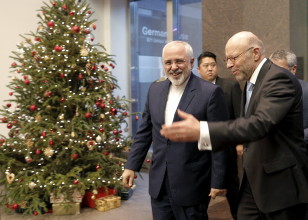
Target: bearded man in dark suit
[(181, 177), (275, 181)]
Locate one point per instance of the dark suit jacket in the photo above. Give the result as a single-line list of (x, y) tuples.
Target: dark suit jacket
[(274, 157), (305, 108), (191, 172), (233, 94)]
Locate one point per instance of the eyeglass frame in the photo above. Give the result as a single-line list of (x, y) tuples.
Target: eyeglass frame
[(178, 62), (233, 59)]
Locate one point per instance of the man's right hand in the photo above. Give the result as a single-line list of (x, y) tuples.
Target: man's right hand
[(128, 177)]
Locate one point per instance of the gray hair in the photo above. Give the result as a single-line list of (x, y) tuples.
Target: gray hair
[(287, 55), (188, 48)]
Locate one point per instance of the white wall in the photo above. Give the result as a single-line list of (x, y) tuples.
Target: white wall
[(19, 17)]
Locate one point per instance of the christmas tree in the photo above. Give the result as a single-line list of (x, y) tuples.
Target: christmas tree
[(65, 125)]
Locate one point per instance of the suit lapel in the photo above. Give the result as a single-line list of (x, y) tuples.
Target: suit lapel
[(187, 96), (265, 68), (163, 96)]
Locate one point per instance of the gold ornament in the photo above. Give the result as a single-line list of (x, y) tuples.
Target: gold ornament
[(48, 107), (83, 89), (40, 28), (10, 177), (93, 197), (48, 151), (32, 185), (88, 68), (102, 116), (126, 149), (29, 143), (73, 134), (38, 118), (23, 204), (61, 117), (46, 58), (84, 52), (95, 192)]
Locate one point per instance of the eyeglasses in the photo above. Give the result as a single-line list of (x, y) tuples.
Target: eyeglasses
[(232, 59), (178, 62)]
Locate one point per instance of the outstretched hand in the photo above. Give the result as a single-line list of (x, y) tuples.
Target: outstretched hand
[(187, 130)]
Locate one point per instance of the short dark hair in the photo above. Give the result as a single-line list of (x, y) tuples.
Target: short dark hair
[(206, 54)]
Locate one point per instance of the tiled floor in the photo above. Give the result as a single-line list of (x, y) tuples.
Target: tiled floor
[(136, 208)]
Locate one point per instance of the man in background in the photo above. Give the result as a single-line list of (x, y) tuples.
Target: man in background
[(207, 68), (182, 179), (287, 59)]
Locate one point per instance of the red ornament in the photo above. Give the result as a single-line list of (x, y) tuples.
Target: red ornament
[(10, 93), (124, 113), (97, 167), (80, 76), (14, 122), (38, 152), (14, 64), (33, 107), (94, 27), (72, 13), (75, 156), (64, 7), (93, 67), (88, 115), (43, 133), (37, 39), (54, 4), (61, 75), (92, 39), (35, 213), (48, 94), (4, 120), (51, 142), (51, 24), (75, 29), (33, 53), (76, 182), (113, 111), (100, 100), (136, 117), (58, 48), (15, 206), (87, 31), (106, 153), (8, 105), (25, 77), (102, 106), (115, 131), (63, 99), (148, 161), (27, 82), (89, 12), (102, 130)]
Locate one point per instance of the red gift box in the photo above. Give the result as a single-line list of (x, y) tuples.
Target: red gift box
[(88, 201)]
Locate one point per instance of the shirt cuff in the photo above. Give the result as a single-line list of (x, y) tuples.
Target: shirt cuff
[(204, 142)]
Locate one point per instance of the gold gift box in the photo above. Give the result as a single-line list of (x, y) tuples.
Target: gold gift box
[(106, 203), (70, 208)]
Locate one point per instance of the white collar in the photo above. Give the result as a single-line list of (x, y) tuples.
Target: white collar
[(255, 74)]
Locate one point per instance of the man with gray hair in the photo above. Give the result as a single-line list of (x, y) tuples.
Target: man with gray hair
[(287, 59), (182, 179)]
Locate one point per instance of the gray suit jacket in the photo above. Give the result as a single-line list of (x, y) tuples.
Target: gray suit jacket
[(275, 160)]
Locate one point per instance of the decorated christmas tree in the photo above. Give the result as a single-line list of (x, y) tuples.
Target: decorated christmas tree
[(66, 127)]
